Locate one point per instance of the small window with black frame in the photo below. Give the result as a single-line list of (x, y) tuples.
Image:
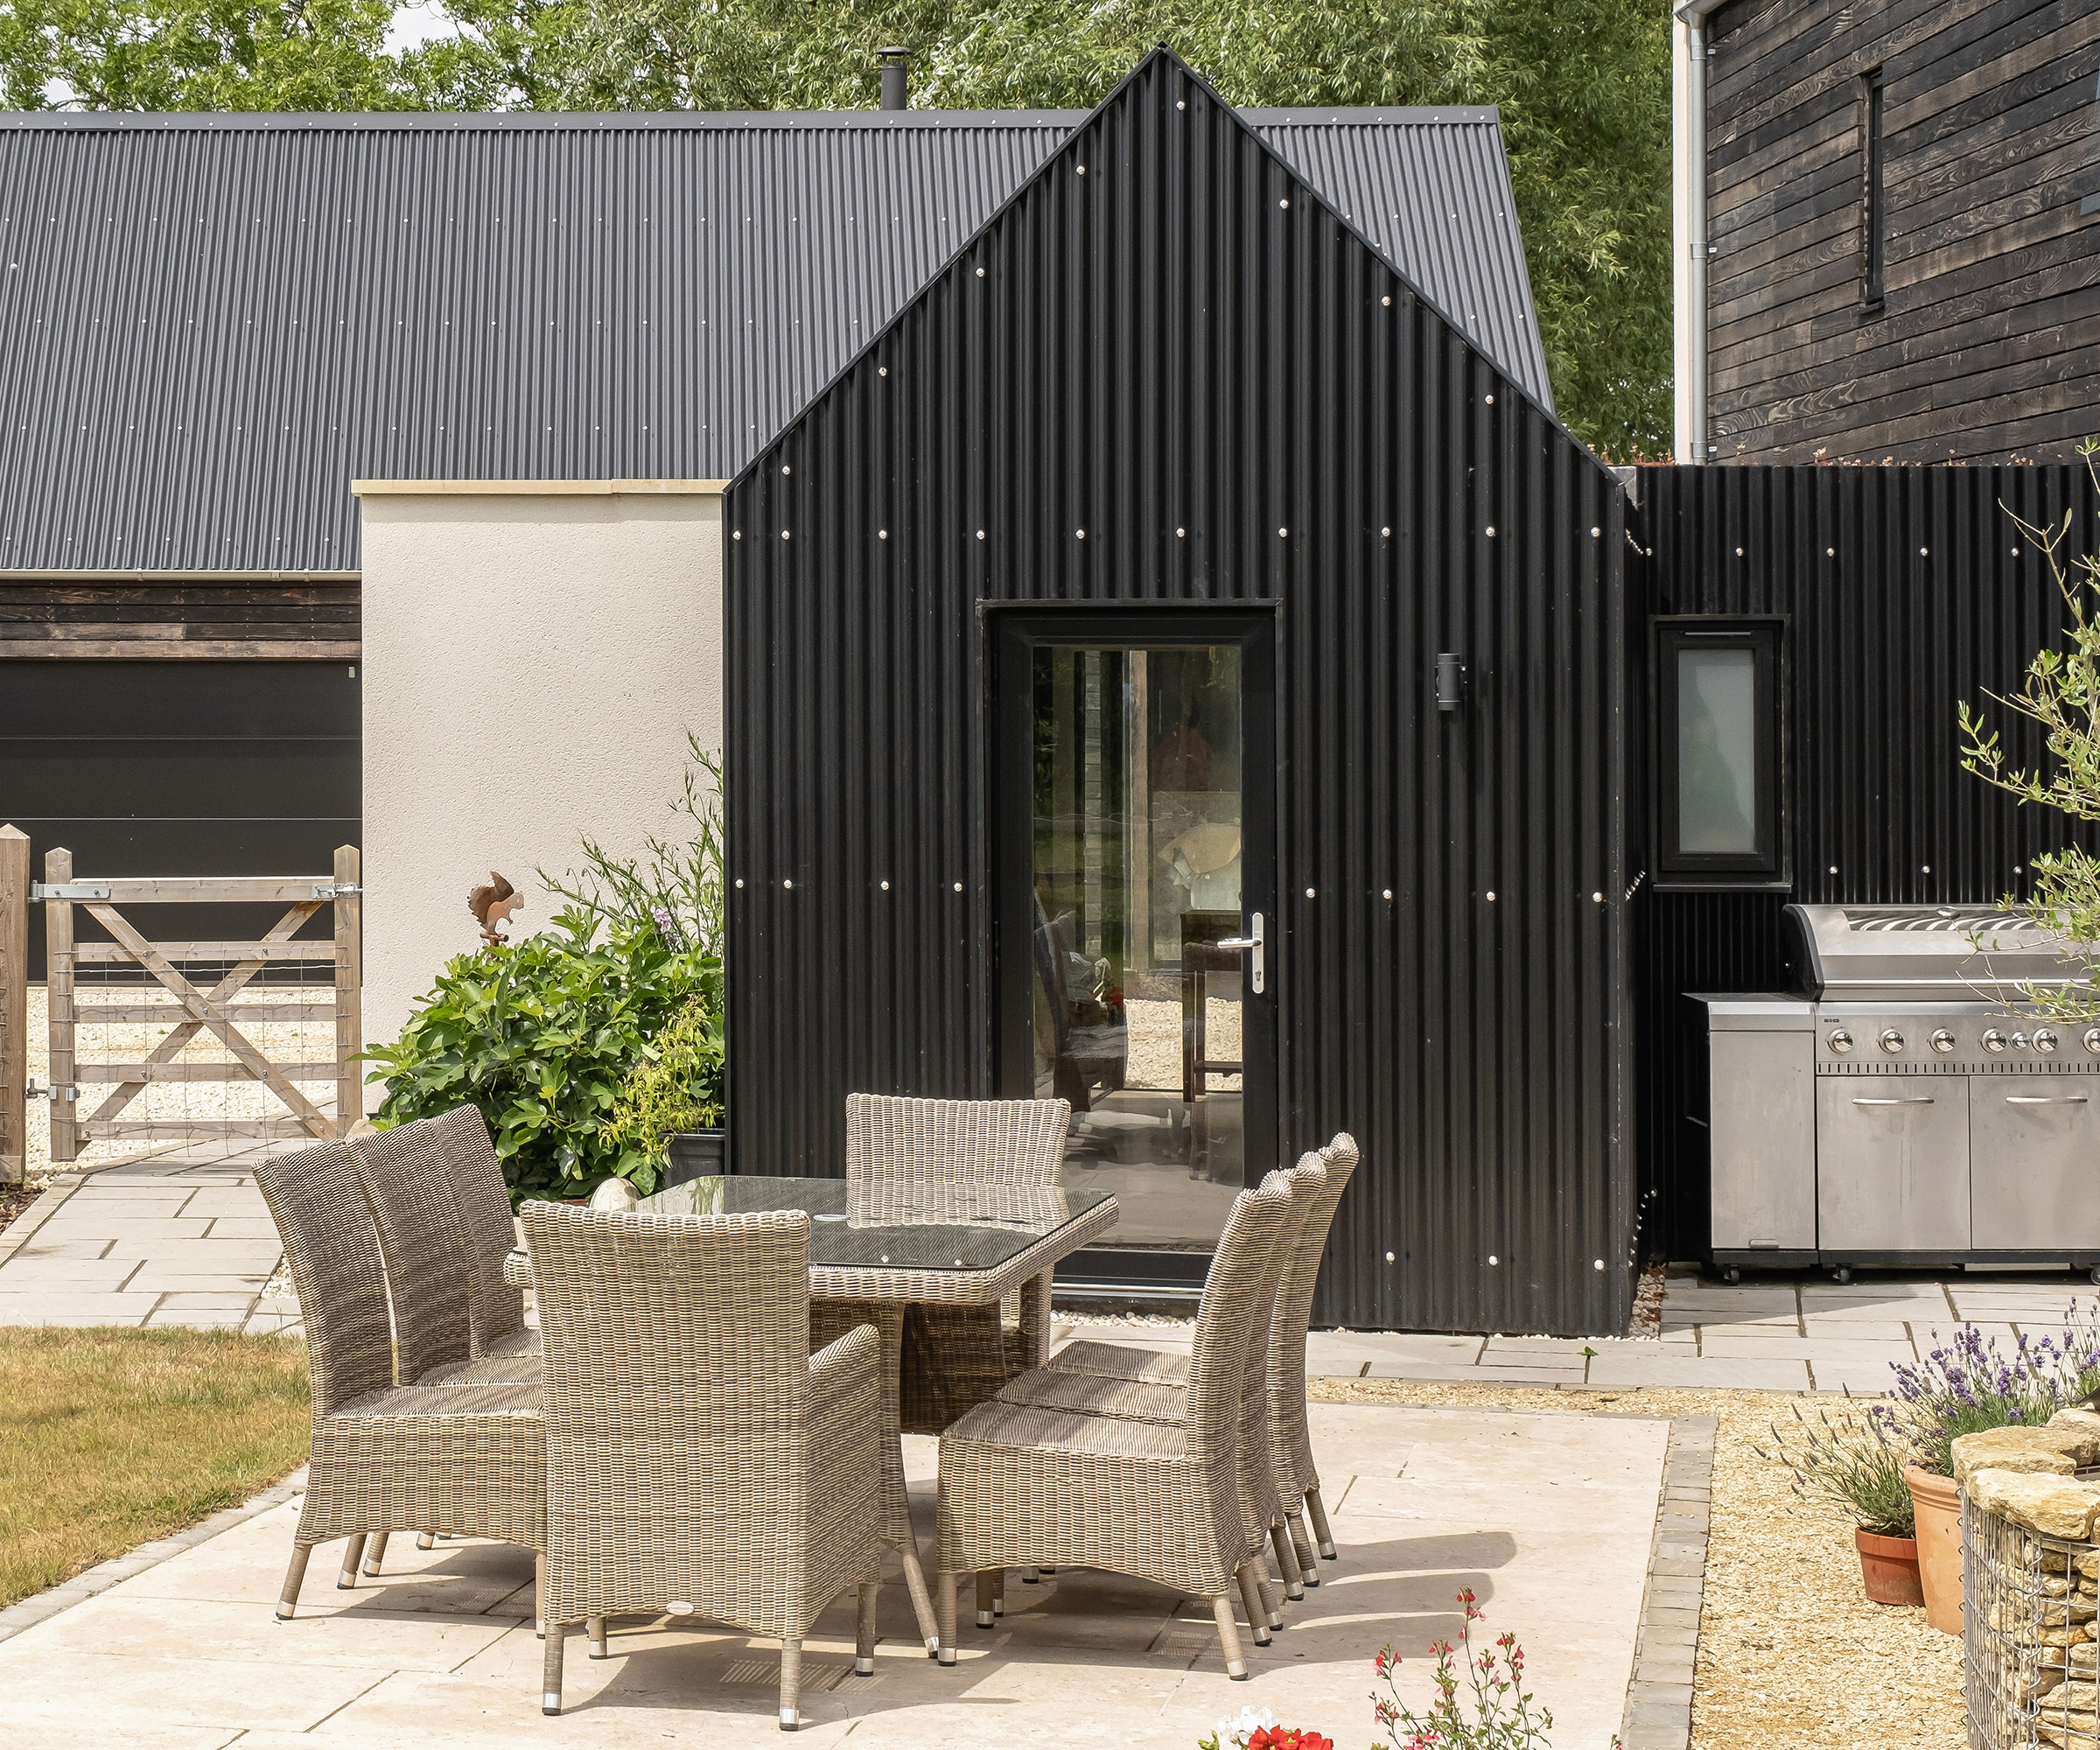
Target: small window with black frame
[(1718, 751)]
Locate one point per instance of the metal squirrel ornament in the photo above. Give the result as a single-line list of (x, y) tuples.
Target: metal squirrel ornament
[(491, 905)]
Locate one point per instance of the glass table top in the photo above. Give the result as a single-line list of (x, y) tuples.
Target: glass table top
[(972, 1227)]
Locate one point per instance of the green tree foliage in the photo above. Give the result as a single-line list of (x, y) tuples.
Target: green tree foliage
[(1583, 86), (198, 54)]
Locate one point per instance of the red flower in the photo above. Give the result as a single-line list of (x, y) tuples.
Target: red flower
[(1288, 1738)]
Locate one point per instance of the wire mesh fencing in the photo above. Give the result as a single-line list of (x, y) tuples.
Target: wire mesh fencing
[(2030, 1602)]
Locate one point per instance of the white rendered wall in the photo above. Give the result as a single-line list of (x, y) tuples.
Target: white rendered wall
[(534, 655)]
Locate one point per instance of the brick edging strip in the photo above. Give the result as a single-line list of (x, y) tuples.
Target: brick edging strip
[(1658, 1700), (101, 1578)]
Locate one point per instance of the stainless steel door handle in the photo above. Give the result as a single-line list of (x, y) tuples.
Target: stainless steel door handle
[(2045, 1100), (1914, 1100), (1254, 945)]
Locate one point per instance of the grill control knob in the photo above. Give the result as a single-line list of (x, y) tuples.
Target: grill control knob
[(2019, 1041), (1994, 1040), (2044, 1039), (2092, 1041), (1841, 1041), (1892, 1042), (1943, 1041)]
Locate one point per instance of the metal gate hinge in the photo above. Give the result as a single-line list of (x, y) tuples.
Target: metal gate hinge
[(68, 890), (58, 1090), (328, 890)]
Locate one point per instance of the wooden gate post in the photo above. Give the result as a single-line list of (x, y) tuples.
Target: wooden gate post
[(14, 1005), (349, 980), (57, 984)]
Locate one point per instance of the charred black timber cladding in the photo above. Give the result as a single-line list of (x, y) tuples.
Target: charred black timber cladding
[(1185, 337), (1905, 590)]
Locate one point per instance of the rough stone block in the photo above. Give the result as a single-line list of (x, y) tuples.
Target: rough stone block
[(2054, 1505), (2051, 1451)]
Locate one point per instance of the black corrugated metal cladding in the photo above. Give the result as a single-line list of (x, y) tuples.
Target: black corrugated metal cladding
[(1906, 591), (1165, 330)]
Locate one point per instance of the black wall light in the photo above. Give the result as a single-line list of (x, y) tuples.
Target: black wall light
[(1450, 680)]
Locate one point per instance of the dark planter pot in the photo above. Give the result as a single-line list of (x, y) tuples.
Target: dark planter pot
[(1889, 1566), (695, 1154)]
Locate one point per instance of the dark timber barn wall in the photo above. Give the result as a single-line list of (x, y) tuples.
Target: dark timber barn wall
[(1905, 590), (1185, 336), (1984, 348)]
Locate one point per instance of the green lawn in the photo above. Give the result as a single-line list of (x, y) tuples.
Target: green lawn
[(111, 1438)]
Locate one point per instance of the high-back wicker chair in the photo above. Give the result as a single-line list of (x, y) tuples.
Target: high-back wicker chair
[(1026, 1485), (463, 1459), (1291, 1437), (911, 1161), (713, 1467), (1260, 1503), (499, 1309)]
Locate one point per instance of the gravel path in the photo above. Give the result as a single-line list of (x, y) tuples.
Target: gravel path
[(1790, 1651)]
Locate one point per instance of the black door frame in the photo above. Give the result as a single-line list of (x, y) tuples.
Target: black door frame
[(1014, 631)]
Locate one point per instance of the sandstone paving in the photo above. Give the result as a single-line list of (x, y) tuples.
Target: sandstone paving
[(1548, 1518)]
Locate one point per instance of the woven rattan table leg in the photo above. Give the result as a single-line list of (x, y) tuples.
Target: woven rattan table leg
[(791, 1684), (550, 1670), (1317, 1509), (353, 1553), (376, 1552), (1228, 1637), (897, 1507)]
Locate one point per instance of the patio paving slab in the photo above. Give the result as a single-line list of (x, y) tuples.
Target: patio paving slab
[(1548, 1517)]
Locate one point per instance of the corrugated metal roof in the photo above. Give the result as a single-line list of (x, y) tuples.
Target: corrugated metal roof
[(210, 324)]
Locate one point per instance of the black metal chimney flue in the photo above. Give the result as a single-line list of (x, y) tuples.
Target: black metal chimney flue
[(896, 77)]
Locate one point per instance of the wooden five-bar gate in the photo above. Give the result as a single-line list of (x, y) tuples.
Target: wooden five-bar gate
[(209, 1008)]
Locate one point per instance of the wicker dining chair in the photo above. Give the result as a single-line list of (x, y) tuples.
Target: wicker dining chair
[(910, 1161), (466, 1460), (1026, 1485), (714, 1467), (1289, 1435), (1261, 1502), (499, 1309)]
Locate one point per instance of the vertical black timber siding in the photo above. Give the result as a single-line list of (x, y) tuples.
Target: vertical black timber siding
[(1182, 337), (1907, 590)]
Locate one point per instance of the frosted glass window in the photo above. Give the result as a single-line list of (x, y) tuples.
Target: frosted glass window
[(1717, 753)]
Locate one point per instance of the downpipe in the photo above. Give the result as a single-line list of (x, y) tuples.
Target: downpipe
[(1688, 137)]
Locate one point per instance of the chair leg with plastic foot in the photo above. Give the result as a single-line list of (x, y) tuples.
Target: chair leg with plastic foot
[(1286, 1562), (1301, 1545), (295, 1576), (353, 1553), (985, 1598), (550, 1670), (791, 1685), (863, 1630), (1317, 1509), (1228, 1638), (595, 1627), (426, 1540), (1250, 1595), (1028, 1576), (944, 1618), (376, 1552)]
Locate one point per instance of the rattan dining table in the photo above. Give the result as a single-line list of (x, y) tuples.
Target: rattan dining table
[(971, 1246)]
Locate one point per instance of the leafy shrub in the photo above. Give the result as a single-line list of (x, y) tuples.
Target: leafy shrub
[(676, 1087), (542, 1035), (549, 1035)]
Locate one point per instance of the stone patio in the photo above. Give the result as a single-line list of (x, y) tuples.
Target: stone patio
[(1551, 1519)]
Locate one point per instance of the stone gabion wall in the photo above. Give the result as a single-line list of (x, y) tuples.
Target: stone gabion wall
[(2031, 1585)]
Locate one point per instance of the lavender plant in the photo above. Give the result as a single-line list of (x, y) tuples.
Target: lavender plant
[(1967, 1385)]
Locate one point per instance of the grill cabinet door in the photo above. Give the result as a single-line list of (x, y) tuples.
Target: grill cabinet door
[(2035, 1162), (1892, 1163)]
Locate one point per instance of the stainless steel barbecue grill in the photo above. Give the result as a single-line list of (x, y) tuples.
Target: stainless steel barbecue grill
[(1902, 1105)]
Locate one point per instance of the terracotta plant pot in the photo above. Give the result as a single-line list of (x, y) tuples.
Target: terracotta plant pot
[(1889, 1567), (1939, 1503)]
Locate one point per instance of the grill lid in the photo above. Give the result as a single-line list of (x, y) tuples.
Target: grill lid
[(1913, 953)]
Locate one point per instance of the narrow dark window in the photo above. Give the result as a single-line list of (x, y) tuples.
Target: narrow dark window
[(1718, 741), (1873, 213)]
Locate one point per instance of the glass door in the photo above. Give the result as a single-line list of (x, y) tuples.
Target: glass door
[(1137, 970)]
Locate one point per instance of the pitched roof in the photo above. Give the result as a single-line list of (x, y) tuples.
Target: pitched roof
[(210, 324)]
